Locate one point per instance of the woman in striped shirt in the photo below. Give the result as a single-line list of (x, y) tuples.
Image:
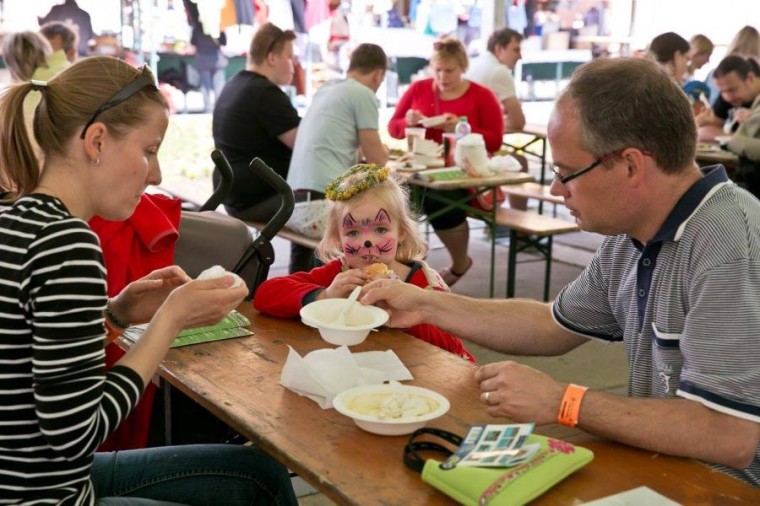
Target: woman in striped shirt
[(57, 403)]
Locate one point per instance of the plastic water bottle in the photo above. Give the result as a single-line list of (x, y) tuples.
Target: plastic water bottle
[(462, 128)]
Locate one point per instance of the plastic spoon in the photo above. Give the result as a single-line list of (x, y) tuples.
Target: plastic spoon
[(341, 318)]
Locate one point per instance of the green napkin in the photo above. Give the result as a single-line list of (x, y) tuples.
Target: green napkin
[(233, 325)]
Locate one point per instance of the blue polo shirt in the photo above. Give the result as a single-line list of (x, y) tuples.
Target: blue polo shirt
[(686, 304)]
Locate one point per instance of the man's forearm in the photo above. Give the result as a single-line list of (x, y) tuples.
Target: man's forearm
[(678, 427), (515, 326)]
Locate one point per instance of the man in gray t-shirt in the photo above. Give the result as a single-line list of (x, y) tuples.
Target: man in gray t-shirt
[(677, 281), (341, 124)]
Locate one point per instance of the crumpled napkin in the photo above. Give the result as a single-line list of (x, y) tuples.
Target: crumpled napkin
[(323, 374), (501, 164)]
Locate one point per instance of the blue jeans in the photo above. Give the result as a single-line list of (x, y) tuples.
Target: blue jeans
[(191, 475)]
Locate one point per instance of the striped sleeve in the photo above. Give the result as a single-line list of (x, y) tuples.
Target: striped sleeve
[(76, 403)]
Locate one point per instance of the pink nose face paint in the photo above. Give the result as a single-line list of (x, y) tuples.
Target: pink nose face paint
[(369, 240)]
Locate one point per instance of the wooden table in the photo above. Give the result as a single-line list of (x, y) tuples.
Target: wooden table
[(238, 381), (480, 185), (713, 156)]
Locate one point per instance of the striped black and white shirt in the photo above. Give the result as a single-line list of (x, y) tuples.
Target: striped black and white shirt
[(686, 304), (57, 403)]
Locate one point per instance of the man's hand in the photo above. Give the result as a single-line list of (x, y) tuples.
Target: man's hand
[(519, 392), (403, 301)]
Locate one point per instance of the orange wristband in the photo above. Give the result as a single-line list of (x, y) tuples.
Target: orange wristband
[(571, 405)]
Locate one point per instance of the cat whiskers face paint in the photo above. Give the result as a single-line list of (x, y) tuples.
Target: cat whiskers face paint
[(368, 239)]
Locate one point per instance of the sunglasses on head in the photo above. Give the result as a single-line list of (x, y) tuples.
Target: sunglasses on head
[(141, 81)]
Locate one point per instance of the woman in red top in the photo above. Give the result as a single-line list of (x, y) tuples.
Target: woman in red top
[(449, 93)]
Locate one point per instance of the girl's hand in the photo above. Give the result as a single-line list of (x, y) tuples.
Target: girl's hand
[(202, 302), (139, 300), (344, 283)]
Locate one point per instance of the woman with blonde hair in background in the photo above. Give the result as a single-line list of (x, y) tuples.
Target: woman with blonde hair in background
[(450, 96)]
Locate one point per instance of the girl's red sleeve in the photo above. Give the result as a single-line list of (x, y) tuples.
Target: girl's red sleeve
[(284, 296)]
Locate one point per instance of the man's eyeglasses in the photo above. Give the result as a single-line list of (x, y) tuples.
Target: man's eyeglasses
[(569, 177), (144, 79)]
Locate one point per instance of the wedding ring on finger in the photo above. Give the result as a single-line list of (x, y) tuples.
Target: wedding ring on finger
[(487, 398)]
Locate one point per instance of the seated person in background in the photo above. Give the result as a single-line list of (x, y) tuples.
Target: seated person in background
[(55, 391), (700, 51), (340, 126), (677, 281), (738, 80), (63, 39), (448, 93), (253, 117), (24, 53), (734, 77), (370, 232), (746, 43), (493, 69), (671, 51)]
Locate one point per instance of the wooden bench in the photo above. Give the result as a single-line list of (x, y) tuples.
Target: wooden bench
[(530, 230), (288, 235), (536, 191)]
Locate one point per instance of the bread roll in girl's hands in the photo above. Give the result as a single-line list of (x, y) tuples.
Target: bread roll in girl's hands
[(217, 271), (379, 271)]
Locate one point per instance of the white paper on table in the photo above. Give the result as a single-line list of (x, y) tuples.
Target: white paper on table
[(641, 496), (323, 374)]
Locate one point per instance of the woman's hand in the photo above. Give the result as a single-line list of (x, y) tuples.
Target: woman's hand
[(139, 300), (202, 302), (413, 117), (344, 283), (450, 122)]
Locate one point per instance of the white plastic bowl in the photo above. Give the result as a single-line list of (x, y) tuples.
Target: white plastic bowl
[(360, 319), (345, 404)]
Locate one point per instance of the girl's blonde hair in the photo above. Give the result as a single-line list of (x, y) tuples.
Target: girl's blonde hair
[(394, 198), (68, 102)]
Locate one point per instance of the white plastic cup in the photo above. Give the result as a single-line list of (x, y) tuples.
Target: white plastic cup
[(472, 148), (413, 133)]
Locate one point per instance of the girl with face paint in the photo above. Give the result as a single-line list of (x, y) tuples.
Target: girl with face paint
[(369, 223)]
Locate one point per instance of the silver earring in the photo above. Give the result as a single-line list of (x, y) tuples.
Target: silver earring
[(96, 162)]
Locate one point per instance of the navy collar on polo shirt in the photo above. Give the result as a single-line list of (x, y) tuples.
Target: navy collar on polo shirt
[(671, 230), (687, 205)]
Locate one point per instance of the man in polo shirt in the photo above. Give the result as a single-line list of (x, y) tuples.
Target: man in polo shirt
[(677, 281)]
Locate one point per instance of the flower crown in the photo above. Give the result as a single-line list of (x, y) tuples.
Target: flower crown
[(355, 180)]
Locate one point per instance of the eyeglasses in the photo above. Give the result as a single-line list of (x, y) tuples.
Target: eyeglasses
[(569, 177), (144, 79)]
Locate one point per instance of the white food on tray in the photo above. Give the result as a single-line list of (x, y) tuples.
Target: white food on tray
[(433, 121)]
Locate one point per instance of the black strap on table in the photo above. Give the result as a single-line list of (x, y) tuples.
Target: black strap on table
[(412, 450)]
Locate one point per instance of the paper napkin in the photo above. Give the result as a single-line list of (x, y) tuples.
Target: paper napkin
[(323, 374)]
